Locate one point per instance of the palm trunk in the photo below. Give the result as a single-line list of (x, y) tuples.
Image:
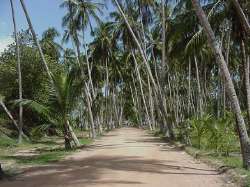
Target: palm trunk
[(36, 40), (20, 122), (247, 82), (67, 137), (151, 104), (198, 87), (142, 92), (244, 139), (137, 43), (9, 114), (242, 16), (87, 95), (12, 118), (163, 65), (189, 88), (88, 67), (73, 135)]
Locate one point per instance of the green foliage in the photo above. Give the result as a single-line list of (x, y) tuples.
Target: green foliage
[(85, 141), (7, 142), (214, 134), (43, 158)]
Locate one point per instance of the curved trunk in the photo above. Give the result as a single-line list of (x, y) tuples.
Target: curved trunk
[(240, 125), (242, 16)]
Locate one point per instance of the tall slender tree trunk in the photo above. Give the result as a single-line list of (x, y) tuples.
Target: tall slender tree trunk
[(189, 87), (151, 104), (138, 44), (36, 40), (20, 89), (73, 135), (243, 19), (38, 45), (88, 67), (245, 59), (163, 61), (8, 113), (87, 95), (198, 87), (244, 139), (142, 92)]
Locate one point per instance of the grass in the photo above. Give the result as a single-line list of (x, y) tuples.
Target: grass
[(239, 175), (42, 158), (46, 150), (85, 141)]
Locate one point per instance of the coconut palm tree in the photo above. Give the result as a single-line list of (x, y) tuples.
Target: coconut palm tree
[(241, 127), (63, 98)]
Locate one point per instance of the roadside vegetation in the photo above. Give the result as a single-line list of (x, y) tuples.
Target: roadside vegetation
[(179, 67)]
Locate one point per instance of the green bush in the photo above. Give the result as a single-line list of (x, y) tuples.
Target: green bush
[(214, 134)]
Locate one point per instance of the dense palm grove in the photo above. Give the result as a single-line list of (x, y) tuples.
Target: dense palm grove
[(168, 66)]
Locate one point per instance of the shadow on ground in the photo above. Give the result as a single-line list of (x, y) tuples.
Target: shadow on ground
[(90, 169)]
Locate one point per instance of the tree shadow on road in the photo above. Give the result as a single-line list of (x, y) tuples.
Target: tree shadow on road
[(89, 170)]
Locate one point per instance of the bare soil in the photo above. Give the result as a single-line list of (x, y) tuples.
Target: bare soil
[(123, 158)]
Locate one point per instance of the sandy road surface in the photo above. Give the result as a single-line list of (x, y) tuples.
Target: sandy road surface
[(123, 158)]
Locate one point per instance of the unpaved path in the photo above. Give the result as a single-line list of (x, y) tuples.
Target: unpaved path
[(123, 158)]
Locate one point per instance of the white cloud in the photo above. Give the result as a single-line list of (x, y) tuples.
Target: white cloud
[(4, 42)]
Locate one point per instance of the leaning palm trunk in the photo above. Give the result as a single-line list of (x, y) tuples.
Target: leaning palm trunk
[(12, 118), (87, 95), (74, 137), (189, 87), (36, 40), (242, 16), (247, 81), (151, 104), (142, 92), (38, 44), (199, 108), (241, 127), (163, 61), (20, 122), (138, 44)]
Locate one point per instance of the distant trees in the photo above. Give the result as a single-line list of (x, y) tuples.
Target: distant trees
[(151, 65)]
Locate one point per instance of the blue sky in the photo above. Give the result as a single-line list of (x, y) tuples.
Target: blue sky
[(44, 14)]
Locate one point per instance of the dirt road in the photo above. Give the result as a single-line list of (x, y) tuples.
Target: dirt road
[(123, 158)]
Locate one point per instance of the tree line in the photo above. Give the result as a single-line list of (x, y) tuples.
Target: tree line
[(180, 67)]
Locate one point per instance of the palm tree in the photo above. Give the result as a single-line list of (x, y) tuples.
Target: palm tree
[(68, 131), (241, 127), (20, 122), (49, 46), (63, 99)]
